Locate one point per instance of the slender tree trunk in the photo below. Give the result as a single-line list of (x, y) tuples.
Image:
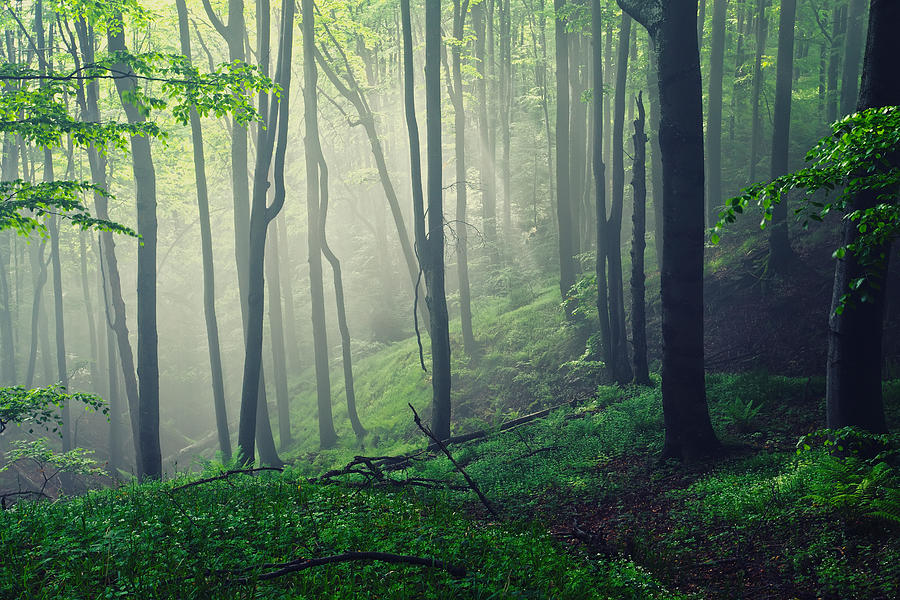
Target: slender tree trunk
[(150, 465), (506, 91), (327, 435), (656, 179), (89, 99), (433, 246), (779, 244), (486, 167), (638, 243), (714, 117), (743, 19), (287, 287), (577, 137), (762, 32), (347, 360), (621, 366), (461, 187), (563, 196), (600, 182), (276, 333), (853, 394), (254, 427), (209, 283), (689, 432), (7, 345)]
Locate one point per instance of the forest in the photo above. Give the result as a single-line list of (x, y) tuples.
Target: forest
[(449, 299)]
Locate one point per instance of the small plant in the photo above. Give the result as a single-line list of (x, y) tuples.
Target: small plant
[(741, 414), (48, 463)]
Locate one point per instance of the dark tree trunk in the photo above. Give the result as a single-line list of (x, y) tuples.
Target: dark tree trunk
[(577, 137), (254, 427), (89, 97), (346, 357), (563, 196), (150, 465), (853, 393), (714, 117), (600, 181), (853, 45), (743, 19), (689, 432), (459, 130), (433, 247), (327, 435), (621, 366), (638, 243), (762, 33), (209, 283), (779, 244)]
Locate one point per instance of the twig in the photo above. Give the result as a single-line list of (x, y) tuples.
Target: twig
[(225, 475), (459, 468), (302, 564)]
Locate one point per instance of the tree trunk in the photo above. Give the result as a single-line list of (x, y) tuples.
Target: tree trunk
[(506, 94), (89, 315), (853, 393), (254, 427), (327, 435), (209, 283), (486, 167), (563, 197), (276, 333), (287, 288), (346, 357), (433, 263), (638, 243), (779, 244), (621, 366), (39, 276), (689, 432), (150, 465), (714, 117), (762, 32), (600, 182), (655, 157)]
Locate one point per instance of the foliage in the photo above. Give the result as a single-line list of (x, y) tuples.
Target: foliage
[(39, 406), (860, 155), (741, 414)]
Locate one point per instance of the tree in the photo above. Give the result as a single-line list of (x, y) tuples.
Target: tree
[(762, 33), (327, 435), (621, 367), (714, 116), (563, 196), (672, 28), (639, 219), (209, 283)]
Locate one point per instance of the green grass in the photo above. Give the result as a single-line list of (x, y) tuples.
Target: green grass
[(150, 541)]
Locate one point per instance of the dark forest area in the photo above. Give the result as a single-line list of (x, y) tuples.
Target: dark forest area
[(449, 299)]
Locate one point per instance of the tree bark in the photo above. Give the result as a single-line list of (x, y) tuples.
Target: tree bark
[(853, 45), (853, 395), (838, 28), (486, 167)]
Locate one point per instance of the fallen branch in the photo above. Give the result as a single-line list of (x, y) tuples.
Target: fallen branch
[(459, 468), (533, 452), (3, 497), (225, 475), (302, 564)]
